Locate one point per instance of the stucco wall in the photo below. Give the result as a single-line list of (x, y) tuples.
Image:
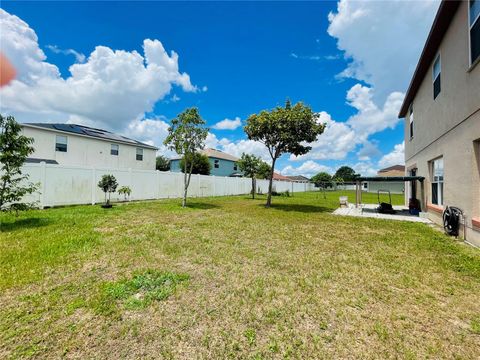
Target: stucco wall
[(225, 168), (449, 127), (85, 151)]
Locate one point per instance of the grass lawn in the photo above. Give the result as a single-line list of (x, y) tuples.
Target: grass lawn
[(227, 278)]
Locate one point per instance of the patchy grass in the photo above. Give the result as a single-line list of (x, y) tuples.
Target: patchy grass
[(139, 291), (292, 281)]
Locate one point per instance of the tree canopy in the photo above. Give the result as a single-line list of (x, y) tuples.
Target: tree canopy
[(186, 135), (322, 180), (162, 163), (250, 165), (346, 173), (200, 163), (283, 130), (14, 150)]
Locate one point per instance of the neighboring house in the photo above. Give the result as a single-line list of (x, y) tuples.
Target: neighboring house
[(280, 177), (222, 164), (299, 178), (395, 170), (69, 144), (442, 116)]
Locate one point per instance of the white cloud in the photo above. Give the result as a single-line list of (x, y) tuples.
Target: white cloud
[(228, 124), (112, 89), (337, 140), (368, 151), (150, 131), (174, 98), (396, 157), (79, 57), (237, 147), (383, 40), (365, 168), (308, 169), (370, 118), (341, 138)]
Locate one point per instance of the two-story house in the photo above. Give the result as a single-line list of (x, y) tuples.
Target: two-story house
[(442, 117), (78, 145), (221, 163)]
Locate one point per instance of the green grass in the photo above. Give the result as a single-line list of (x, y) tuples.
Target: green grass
[(228, 278)]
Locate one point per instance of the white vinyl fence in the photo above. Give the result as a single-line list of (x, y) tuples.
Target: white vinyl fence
[(69, 185)]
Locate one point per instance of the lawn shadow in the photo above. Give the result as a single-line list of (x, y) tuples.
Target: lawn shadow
[(300, 208), (23, 224), (201, 205)]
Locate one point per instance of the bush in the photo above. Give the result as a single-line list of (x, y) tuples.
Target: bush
[(125, 191), (108, 184)]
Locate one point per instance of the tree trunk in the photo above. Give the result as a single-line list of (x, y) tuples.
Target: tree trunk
[(269, 197), (185, 183), (253, 188)]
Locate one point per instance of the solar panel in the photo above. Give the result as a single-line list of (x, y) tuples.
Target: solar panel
[(68, 127)]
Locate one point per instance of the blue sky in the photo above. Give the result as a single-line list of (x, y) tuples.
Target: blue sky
[(240, 58)]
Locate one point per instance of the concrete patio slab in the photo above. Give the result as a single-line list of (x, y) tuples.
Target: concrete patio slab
[(370, 210)]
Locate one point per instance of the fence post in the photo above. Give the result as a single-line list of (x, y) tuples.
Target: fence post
[(94, 178), (42, 184), (130, 181), (158, 183)]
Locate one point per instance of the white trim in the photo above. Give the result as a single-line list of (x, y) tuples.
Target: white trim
[(439, 58)]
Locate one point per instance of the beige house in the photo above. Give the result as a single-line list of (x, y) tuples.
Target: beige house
[(442, 117), (77, 145), (395, 170)]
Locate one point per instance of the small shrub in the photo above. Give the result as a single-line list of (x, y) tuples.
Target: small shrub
[(108, 184), (125, 191)]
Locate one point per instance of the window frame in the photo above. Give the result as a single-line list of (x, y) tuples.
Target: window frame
[(112, 150), (411, 122), (439, 182), (439, 76), (470, 26), (235, 166), (57, 148), (216, 164), (139, 157)]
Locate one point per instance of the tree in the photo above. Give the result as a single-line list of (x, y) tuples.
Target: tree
[(186, 135), (322, 180), (162, 163), (284, 130), (14, 150), (250, 165), (264, 170), (125, 191), (346, 173), (200, 163), (108, 184)]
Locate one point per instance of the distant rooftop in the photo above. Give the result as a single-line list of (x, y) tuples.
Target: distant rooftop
[(394, 167), (90, 132), (277, 176), (298, 178), (213, 153)]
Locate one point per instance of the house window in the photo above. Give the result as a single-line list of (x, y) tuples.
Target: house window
[(436, 77), (474, 29), (437, 181), (411, 121), (139, 154), (114, 149), (61, 143), (235, 167), (216, 164)]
